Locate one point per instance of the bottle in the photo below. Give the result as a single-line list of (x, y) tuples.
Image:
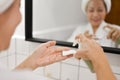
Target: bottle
[(87, 62)]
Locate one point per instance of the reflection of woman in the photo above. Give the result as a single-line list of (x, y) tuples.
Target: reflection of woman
[(96, 11)]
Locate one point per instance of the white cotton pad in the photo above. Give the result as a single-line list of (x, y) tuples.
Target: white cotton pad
[(5, 4), (65, 53)]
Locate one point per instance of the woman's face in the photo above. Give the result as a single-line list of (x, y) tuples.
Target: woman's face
[(96, 12)]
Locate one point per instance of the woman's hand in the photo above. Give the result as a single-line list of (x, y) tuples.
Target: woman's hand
[(90, 50), (44, 55), (88, 35), (114, 32)]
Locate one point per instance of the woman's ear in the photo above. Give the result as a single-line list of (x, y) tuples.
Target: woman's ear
[(5, 4)]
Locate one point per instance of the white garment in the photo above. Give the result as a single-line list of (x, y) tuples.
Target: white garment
[(100, 33), (18, 75), (5, 4)]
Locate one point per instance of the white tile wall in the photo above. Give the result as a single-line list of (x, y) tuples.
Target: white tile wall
[(32, 46), (12, 47), (20, 58), (53, 71), (69, 72), (72, 61), (40, 71), (113, 59), (70, 69), (11, 62), (3, 53), (114, 62), (116, 69), (118, 77), (4, 61), (22, 47)]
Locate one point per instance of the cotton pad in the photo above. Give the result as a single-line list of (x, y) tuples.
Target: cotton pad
[(65, 53)]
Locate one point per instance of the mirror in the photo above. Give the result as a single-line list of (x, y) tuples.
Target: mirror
[(56, 19), (60, 20)]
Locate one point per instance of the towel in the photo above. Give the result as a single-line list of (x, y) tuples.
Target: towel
[(84, 4), (5, 4)]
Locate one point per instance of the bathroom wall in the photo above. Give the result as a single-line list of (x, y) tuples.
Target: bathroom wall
[(70, 69), (49, 14)]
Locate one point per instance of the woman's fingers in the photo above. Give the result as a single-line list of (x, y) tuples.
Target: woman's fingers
[(54, 50), (61, 57), (109, 27), (81, 53), (58, 57), (109, 36), (115, 36), (114, 32), (88, 35), (83, 39), (49, 44), (60, 49)]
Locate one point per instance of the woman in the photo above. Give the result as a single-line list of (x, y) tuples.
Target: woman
[(44, 55), (96, 10)]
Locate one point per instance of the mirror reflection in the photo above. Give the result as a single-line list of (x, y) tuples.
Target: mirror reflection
[(63, 20)]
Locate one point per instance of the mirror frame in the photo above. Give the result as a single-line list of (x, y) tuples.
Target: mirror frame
[(29, 31)]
